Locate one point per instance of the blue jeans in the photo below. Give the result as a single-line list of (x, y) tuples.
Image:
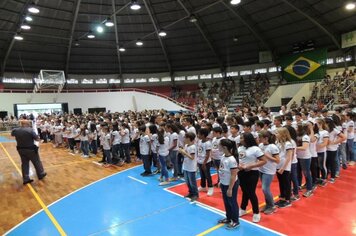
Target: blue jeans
[(164, 171), (107, 156), (173, 155), (305, 166), (191, 182), (341, 156), (180, 163), (156, 161), (93, 146), (266, 188), (230, 203), (350, 150), (116, 151), (146, 163), (84, 146), (294, 178), (125, 147)]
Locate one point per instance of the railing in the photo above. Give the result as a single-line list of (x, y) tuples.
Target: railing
[(98, 91)]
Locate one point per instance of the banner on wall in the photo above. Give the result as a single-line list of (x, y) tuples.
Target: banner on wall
[(304, 67)]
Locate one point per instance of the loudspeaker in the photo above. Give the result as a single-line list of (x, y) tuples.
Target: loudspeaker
[(65, 108), (3, 114), (97, 109), (77, 111)]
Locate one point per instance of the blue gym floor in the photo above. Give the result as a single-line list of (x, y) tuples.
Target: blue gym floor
[(127, 204), (3, 139)]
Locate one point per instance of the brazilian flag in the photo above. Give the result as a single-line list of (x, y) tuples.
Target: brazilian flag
[(304, 67)]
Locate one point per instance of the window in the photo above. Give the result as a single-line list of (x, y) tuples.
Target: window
[(179, 78), (101, 81), (330, 61), (272, 69), (246, 72), (87, 81), (339, 59), (114, 81), (192, 77), (205, 76), (348, 58), (16, 81), (153, 79), (72, 81), (261, 71), (166, 79), (128, 81), (141, 80), (219, 75), (232, 73)]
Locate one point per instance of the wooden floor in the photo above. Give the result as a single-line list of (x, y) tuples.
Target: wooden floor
[(66, 173)]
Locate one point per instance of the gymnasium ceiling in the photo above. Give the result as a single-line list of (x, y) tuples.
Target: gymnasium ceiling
[(58, 36)]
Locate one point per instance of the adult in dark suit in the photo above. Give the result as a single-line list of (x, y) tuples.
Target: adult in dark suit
[(25, 138)]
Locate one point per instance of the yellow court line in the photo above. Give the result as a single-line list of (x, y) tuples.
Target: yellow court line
[(44, 207), (221, 225)]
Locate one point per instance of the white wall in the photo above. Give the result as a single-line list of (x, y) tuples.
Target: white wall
[(114, 101), (283, 91), (305, 91)]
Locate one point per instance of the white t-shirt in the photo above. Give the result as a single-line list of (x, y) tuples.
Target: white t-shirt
[(181, 137), (188, 164), (144, 144), (320, 136), (117, 137), (173, 136), (216, 153), (163, 148), (235, 139), (154, 142), (84, 136), (126, 137), (201, 151), (271, 166), (294, 159), (350, 135), (191, 129), (249, 155), (226, 164), (105, 141), (333, 136), (304, 154), (77, 131), (282, 155), (312, 148)]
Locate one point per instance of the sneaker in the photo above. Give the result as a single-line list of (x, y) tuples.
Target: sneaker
[(295, 198), (173, 179), (256, 218), (194, 198), (323, 183), (210, 192), (277, 203), (304, 186), (201, 189), (263, 209), (232, 225), (308, 193), (188, 196), (160, 179), (344, 166), (85, 156), (314, 187), (143, 173), (270, 210), (146, 174), (164, 183), (242, 212), (285, 204), (224, 221), (332, 180), (337, 175), (156, 171)]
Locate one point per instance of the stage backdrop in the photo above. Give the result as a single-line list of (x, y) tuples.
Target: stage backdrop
[(304, 67)]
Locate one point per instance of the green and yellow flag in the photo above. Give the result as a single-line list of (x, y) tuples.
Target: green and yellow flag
[(304, 67)]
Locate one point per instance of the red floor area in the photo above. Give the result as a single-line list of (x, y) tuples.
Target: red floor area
[(330, 211)]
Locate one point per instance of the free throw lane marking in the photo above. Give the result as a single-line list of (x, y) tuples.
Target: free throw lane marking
[(39, 200), (142, 182)]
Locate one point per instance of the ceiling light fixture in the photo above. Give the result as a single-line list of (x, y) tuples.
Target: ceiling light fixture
[(235, 39), (28, 18), (90, 35), (350, 6), (162, 33), (235, 2), (121, 49), (25, 26), (18, 37), (99, 29), (134, 5), (33, 9), (76, 43), (139, 43), (193, 19), (109, 22)]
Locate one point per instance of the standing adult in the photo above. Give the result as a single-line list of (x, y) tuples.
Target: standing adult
[(28, 151)]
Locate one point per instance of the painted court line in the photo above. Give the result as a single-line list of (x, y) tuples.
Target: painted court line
[(220, 212), (142, 182), (38, 198), (18, 225)]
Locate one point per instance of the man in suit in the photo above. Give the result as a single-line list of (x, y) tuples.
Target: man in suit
[(28, 151)]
